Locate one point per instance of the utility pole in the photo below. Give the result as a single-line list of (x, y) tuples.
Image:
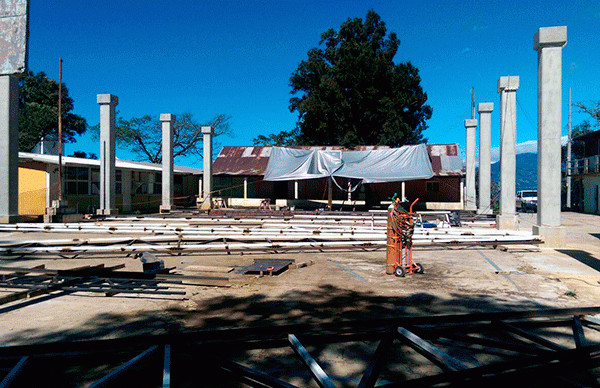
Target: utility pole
[(569, 156), (472, 103), (60, 169)]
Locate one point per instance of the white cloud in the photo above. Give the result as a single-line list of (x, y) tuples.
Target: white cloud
[(466, 50)]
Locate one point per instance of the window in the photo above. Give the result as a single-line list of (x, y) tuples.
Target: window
[(118, 182), (76, 180), (433, 187), (158, 183), (95, 181)]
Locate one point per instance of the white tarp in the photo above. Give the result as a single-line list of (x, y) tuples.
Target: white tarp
[(380, 165)]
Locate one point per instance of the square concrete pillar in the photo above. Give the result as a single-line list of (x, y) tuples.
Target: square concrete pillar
[(507, 87), (207, 133), (485, 143), (470, 200), (549, 42), (167, 121), (107, 103), (9, 148)]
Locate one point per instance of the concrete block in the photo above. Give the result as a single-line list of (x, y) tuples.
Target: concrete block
[(554, 236), (107, 99), (507, 222), (550, 36), (508, 83)]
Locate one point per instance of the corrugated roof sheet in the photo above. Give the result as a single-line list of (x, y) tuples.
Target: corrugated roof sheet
[(445, 159), (122, 164), (252, 161)]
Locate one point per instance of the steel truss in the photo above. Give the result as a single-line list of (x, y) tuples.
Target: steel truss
[(539, 347), (37, 281)]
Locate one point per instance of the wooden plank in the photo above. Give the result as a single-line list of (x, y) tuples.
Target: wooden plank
[(578, 334), (117, 372), (208, 268), (252, 376), (315, 369), (427, 349), (530, 336), (167, 367), (371, 374), (14, 372)]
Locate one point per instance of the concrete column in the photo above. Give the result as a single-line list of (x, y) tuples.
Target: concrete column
[(167, 121), (9, 148), (126, 189), (107, 154), (296, 190), (207, 133), (485, 135), (507, 87), (549, 42), (245, 187), (470, 200)]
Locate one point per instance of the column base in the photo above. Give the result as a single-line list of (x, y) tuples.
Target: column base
[(10, 219), (507, 221), (204, 203), (166, 209), (488, 210), (107, 212), (470, 207), (554, 236)]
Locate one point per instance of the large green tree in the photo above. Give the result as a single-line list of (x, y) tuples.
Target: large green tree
[(350, 92), (39, 111), (143, 135)]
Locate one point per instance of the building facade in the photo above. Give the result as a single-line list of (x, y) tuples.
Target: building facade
[(138, 184)]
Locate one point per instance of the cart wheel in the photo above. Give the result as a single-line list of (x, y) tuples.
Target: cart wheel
[(399, 271), (419, 268)]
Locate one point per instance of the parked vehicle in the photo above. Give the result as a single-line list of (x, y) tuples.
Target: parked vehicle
[(526, 200)]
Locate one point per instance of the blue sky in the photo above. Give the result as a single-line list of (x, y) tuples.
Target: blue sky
[(236, 57)]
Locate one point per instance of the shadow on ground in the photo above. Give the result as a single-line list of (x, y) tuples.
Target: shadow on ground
[(324, 305), (583, 257)]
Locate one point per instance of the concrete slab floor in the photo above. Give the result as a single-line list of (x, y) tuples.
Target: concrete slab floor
[(338, 286)]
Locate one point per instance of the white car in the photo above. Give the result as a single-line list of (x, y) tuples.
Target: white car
[(526, 200)]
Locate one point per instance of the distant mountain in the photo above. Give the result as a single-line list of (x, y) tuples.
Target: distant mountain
[(526, 172)]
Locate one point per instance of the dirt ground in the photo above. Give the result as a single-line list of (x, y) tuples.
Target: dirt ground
[(337, 286)]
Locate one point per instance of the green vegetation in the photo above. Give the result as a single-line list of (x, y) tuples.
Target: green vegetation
[(349, 91)]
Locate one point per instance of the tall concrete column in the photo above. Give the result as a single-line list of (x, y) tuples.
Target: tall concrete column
[(470, 200), (167, 121), (207, 133), (107, 103), (485, 143), (549, 42), (9, 148), (507, 87)]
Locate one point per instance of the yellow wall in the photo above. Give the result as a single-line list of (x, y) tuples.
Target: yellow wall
[(32, 191)]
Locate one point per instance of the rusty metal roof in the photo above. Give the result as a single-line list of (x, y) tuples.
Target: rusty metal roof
[(445, 159), (242, 161), (252, 161)]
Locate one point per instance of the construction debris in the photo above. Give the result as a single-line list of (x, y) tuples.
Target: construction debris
[(179, 236), (36, 281)]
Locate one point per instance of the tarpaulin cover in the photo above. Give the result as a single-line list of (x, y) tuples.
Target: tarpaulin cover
[(380, 165)]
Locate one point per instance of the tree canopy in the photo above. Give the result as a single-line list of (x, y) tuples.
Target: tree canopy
[(143, 135), (349, 91), (593, 111), (578, 146), (38, 114)]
